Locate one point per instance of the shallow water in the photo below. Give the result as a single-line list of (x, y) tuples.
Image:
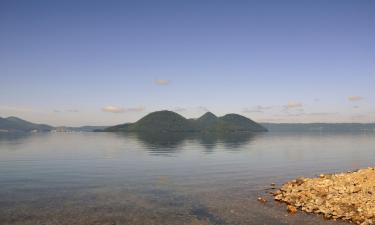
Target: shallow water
[(143, 179)]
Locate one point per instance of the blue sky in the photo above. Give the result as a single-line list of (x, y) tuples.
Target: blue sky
[(109, 62)]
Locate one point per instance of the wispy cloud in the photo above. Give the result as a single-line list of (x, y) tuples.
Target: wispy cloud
[(355, 98), (115, 109), (293, 105), (162, 82)]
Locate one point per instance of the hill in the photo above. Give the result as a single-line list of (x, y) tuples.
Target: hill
[(167, 121), (161, 121), (14, 124), (235, 122)]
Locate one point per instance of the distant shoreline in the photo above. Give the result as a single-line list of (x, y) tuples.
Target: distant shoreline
[(14, 124)]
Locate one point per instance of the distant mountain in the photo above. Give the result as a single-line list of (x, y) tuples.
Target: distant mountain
[(167, 121), (320, 127), (14, 124)]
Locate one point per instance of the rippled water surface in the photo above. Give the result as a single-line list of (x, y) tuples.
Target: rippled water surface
[(175, 179)]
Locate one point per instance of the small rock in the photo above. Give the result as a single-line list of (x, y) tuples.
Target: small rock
[(262, 200), (291, 209)]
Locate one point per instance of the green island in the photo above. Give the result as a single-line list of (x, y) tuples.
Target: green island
[(168, 121)]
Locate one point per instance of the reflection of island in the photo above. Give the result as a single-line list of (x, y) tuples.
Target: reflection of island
[(173, 142), (166, 141)]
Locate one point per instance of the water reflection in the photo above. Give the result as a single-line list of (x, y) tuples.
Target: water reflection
[(10, 141), (163, 141), (173, 142), (13, 136)]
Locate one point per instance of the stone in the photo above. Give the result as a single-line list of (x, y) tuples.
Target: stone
[(291, 209), (262, 200)]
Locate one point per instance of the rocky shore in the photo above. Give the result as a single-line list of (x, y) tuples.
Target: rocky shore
[(348, 196)]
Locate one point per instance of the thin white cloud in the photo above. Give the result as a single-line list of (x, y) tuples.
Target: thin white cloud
[(294, 105), (162, 82), (355, 98), (115, 109)]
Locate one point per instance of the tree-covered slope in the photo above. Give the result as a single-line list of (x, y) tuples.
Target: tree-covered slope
[(235, 122), (167, 121)]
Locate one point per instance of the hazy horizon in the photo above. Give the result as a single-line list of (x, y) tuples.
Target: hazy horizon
[(79, 63)]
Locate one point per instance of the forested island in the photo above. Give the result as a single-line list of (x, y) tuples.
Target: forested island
[(168, 121)]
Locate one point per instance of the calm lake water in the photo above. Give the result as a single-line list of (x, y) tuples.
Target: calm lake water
[(143, 179)]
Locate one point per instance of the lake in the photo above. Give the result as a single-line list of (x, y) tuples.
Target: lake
[(175, 179)]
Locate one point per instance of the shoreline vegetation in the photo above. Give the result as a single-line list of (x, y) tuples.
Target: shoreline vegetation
[(348, 196)]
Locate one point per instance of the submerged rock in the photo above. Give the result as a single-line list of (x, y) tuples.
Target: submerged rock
[(262, 200)]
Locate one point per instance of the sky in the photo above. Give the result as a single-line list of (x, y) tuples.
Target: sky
[(109, 62)]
